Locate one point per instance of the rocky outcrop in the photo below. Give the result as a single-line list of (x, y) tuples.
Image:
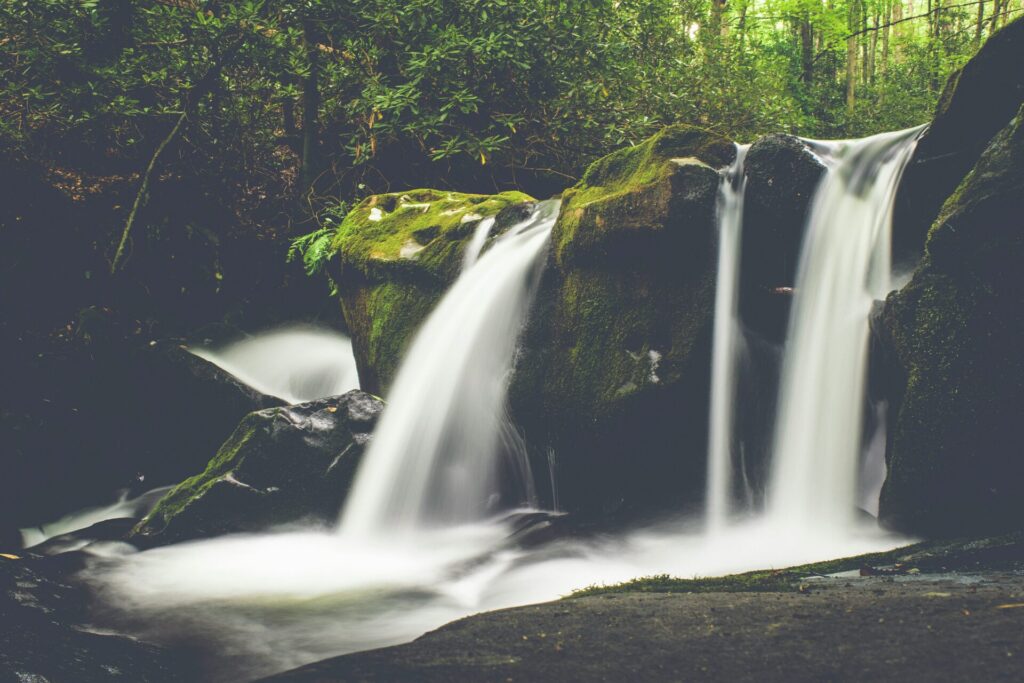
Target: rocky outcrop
[(281, 465), (142, 413), (976, 103), (782, 175), (957, 375), (611, 383), (397, 254)]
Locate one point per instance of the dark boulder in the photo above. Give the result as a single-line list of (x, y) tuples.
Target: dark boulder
[(977, 102), (954, 334), (281, 465), (122, 409), (782, 176)]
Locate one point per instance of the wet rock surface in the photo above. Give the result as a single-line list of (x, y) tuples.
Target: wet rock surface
[(45, 634), (281, 465), (942, 629), (956, 374), (977, 103)]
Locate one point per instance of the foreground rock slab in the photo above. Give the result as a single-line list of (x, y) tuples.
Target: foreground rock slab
[(947, 628)]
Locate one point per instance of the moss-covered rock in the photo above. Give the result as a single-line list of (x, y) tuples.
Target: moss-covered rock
[(397, 254), (612, 377), (280, 465), (976, 103), (955, 335)]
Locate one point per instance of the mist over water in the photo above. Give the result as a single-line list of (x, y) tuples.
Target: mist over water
[(296, 363), (254, 605)]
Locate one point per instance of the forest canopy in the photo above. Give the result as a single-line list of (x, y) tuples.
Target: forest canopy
[(324, 101)]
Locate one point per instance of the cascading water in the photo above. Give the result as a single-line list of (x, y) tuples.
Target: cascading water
[(477, 242), (435, 456), (844, 266), (267, 602), (296, 363), (726, 341)]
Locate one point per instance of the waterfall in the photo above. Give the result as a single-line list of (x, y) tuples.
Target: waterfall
[(297, 363), (477, 242), (726, 342), (844, 266), (437, 454)]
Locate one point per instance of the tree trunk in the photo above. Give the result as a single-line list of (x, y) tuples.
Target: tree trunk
[(716, 25), (806, 50), (310, 107), (885, 37), (873, 53), (980, 24), (851, 57), (864, 42)]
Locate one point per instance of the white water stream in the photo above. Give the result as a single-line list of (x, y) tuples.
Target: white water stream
[(726, 343), (845, 265), (296, 363), (436, 456)]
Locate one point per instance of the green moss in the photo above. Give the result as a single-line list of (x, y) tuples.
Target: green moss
[(395, 311), (630, 189), (226, 460), (944, 555), (425, 227), (616, 336)]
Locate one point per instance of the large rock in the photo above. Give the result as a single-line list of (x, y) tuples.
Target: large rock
[(611, 384), (397, 255), (782, 176), (281, 465), (976, 103), (957, 375), (119, 409)]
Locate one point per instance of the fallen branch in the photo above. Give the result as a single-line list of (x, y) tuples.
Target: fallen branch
[(189, 100), (143, 188)]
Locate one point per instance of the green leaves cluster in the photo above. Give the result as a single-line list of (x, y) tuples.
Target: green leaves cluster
[(367, 96)]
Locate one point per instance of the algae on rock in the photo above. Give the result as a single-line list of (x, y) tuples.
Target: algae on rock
[(397, 254), (280, 465), (612, 378)]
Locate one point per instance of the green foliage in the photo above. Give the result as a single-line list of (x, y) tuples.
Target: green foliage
[(325, 101), (315, 249)]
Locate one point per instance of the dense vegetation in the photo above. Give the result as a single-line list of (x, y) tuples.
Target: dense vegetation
[(320, 101)]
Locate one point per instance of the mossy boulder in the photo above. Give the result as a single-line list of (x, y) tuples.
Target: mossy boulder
[(957, 377), (612, 376), (976, 103), (281, 465), (397, 254)]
